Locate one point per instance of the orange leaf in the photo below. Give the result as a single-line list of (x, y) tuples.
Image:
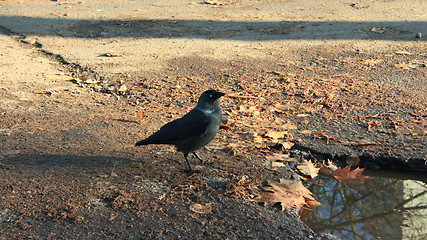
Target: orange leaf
[(140, 117), (224, 126), (347, 175)]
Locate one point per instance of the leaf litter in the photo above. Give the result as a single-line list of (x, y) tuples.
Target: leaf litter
[(257, 115)]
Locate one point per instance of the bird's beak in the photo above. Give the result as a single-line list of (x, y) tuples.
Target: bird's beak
[(218, 94)]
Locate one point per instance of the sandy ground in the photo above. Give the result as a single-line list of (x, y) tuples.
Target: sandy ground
[(350, 69)]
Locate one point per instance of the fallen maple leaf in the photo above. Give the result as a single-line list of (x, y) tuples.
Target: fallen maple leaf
[(289, 194), (347, 175), (307, 168)]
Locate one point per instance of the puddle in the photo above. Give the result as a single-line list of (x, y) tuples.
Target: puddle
[(390, 205)]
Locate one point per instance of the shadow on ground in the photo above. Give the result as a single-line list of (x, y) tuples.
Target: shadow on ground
[(209, 29)]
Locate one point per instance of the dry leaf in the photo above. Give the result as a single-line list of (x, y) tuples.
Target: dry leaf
[(289, 194), (406, 66), (280, 108), (91, 81), (200, 208), (286, 145), (403, 53), (278, 157), (289, 126), (277, 164), (276, 135), (140, 117), (347, 175), (305, 132), (122, 89), (371, 62), (307, 168)]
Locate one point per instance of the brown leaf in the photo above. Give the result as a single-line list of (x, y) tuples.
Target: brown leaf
[(307, 168), (305, 132), (278, 159), (347, 175), (289, 194), (276, 135), (200, 208)]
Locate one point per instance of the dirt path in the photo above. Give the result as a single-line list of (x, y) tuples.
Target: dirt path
[(75, 73)]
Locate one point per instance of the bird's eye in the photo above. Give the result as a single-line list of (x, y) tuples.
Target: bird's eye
[(210, 95)]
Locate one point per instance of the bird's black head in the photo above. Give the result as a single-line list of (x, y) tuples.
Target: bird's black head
[(212, 94), (209, 98)]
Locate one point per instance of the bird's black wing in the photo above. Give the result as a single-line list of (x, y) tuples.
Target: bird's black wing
[(192, 124)]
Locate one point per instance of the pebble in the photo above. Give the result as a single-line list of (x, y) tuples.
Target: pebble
[(418, 35)]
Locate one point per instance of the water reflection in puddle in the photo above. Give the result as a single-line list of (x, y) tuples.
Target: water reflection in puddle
[(377, 208)]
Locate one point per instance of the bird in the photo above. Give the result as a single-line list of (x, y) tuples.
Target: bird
[(194, 130)]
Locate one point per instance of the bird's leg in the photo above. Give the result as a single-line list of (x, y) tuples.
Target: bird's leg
[(188, 162), (201, 160), (190, 169)]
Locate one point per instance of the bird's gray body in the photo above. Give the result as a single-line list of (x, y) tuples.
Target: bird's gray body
[(194, 130), (189, 133)]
